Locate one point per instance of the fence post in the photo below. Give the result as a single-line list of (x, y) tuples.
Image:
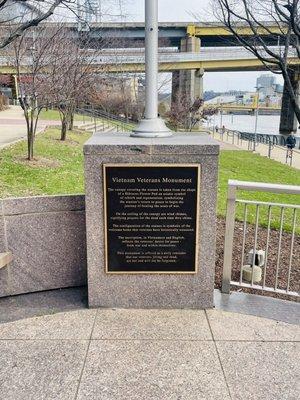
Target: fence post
[(270, 149), (229, 231)]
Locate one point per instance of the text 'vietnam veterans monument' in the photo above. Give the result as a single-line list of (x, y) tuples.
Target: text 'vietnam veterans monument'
[(151, 208)]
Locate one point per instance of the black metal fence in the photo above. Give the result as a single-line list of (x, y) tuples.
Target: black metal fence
[(120, 123)]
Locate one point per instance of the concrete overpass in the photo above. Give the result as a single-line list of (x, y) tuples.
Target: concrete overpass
[(235, 107), (208, 60), (211, 33)]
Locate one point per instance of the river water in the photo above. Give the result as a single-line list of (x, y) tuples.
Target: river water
[(268, 124)]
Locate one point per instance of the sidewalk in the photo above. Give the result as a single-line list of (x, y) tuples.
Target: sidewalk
[(118, 354), (278, 153), (13, 125)]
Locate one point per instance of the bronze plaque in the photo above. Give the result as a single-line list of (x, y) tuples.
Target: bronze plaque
[(151, 218)]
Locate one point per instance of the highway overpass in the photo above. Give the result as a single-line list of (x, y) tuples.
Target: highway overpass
[(208, 60), (211, 33)]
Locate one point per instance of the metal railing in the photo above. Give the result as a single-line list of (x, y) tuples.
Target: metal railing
[(121, 124), (279, 272), (251, 141), (238, 136), (119, 56)]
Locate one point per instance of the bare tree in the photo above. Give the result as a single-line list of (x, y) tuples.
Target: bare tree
[(67, 77), (17, 16), (184, 113), (31, 60), (77, 75), (284, 15)]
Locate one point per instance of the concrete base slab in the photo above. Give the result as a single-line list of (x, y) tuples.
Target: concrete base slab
[(59, 326), (151, 325), (148, 370), (267, 371), (42, 303), (232, 327), (43, 370), (146, 354), (261, 306)]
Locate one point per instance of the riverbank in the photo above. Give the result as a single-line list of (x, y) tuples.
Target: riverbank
[(267, 124)]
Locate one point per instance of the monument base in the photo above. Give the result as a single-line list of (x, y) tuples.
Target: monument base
[(149, 280)]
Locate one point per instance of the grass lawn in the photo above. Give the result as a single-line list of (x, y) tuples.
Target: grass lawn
[(246, 166), (58, 169), (54, 115)]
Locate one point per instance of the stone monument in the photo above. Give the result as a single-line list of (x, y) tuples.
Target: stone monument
[(151, 209)]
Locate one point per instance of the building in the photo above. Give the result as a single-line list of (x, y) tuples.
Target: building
[(267, 86)]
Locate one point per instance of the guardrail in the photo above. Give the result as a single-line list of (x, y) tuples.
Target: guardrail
[(120, 123), (118, 56), (265, 138), (251, 141), (267, 268)]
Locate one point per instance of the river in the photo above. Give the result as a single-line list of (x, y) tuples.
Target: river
[(268, 124)]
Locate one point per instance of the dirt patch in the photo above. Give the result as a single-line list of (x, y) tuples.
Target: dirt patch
[(69, 142), (272, 257), (38, 162)]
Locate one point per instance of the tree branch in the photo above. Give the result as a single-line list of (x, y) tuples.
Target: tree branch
[(33, 22)]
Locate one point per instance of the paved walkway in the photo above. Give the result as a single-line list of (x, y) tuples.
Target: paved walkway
[(148, 354), (13, 125), (278, 153)]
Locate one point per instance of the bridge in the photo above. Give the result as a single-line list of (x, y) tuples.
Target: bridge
[(244, 107), (212, 34), (196, 49), (209, 59), (248, 108)]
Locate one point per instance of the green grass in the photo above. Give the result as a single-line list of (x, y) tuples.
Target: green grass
[(54, 115), (19, 178), (246, 166), (126, 125), (65, 176)]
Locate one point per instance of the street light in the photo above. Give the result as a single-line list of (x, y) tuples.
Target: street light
[(151, 125), (256, 114)]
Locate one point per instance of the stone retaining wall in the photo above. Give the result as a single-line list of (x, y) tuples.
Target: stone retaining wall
[(47, 237)]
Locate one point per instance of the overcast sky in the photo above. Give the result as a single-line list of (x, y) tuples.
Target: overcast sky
[(171, 10)]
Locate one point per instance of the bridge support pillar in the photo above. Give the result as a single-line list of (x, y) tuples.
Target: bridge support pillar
[(187, 86), (175, 86), (288, 120), (189, 81), (198, 92)]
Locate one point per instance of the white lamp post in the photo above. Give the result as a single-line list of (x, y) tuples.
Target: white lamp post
[(151, 125)]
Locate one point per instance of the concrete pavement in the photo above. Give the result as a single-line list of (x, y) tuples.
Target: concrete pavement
[(147, 354), (277, 153), (13, 125)]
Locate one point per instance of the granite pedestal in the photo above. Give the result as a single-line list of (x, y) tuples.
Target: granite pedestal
[(150, 290)]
